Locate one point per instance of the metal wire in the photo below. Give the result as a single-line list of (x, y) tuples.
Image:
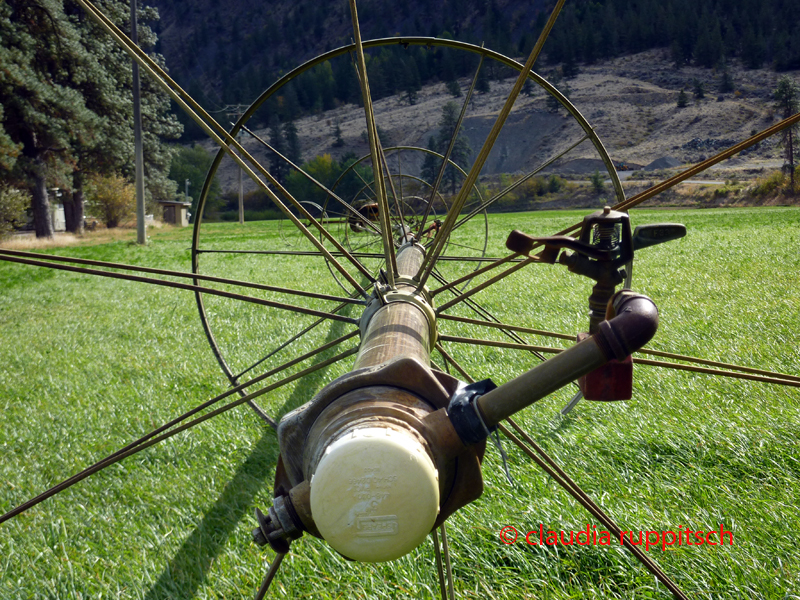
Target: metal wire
[(168, 273), (430, 259), (776, 378), (273, 570), (450, 147), (182, 286), (226, 141), (559, 476), (151, 438)]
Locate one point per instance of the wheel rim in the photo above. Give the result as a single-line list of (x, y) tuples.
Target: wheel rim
[(588, 134)]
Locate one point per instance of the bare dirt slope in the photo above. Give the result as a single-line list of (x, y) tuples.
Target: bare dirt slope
[(630, 102)]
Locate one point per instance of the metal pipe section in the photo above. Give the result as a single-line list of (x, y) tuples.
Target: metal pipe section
[(633, 326), (398, 328)]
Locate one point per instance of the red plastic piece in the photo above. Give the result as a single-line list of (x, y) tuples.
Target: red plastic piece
[(613, 381)]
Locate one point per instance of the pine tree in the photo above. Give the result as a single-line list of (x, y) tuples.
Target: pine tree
[(453, 88), (67, 105), (440, 142), (43, 114), (683, 99), (787, 101), (698, 89), (482, 84), (726, 84), (293, 151), (277, 165)]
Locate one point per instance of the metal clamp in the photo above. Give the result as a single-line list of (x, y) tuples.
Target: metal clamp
[(464, 414)]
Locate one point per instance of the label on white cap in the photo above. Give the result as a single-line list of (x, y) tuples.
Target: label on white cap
[(375, 494)]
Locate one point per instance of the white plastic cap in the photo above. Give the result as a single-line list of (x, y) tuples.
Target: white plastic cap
[(375, 494)]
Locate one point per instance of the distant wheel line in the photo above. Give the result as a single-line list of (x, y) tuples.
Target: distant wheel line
[(428, 42)]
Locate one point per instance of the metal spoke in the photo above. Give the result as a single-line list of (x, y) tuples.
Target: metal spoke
[(483, 155), (518, 183), (316, 182), (182, 286), (450, 147), (197, 276), (439, 568), (702, 166), (497, 263), (452, 243), (227, 141), (273, 570), (140, 444), (397, 199), (550, 467), (380, 196), (776, 378), (634, 201), (485, 284), (483, 312), (514, 258), (482, 323), (448, 566), (293, 339), (499, 344)]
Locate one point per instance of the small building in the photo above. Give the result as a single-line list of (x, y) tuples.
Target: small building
[(175, 212)]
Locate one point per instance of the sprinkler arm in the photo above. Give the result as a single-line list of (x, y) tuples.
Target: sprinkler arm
[(633, 320)]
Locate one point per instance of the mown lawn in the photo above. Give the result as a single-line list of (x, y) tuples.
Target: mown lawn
[(88, 364)]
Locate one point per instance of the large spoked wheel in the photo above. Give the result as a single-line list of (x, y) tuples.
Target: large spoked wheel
[(466, 248), (298, 345)]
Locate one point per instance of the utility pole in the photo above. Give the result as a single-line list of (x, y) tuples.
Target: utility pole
[(141, 236), (235, 113), (186, 191)]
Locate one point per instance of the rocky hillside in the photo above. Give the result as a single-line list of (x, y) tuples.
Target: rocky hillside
[(631, 102)]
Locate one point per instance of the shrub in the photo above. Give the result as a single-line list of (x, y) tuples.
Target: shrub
[(111, 198), (598, 183), (770, 184), (13, 204)]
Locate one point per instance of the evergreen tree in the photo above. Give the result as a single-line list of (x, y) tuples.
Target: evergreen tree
[(752, 49), (440, 142), (339, 141), (683, 99), (528, 88), (482, 83), (66, 105), (293, 151), (453, 88), (787, 101), (598, 184), (726, 84), (277, 165), (698, 89), (43, 112)]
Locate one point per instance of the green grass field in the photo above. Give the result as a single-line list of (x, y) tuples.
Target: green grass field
[(89, 364)]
